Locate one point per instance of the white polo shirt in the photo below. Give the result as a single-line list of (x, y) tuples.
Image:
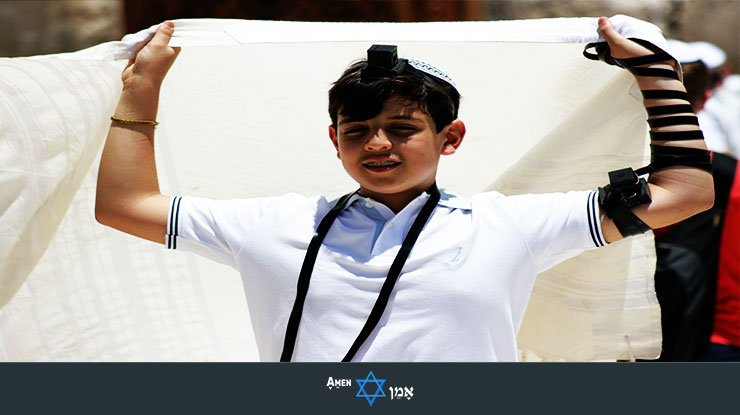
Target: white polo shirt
[(462, 293)]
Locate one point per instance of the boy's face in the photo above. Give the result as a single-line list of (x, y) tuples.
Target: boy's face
[(394, 155)]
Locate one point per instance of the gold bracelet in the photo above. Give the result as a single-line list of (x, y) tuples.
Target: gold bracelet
[(134, 122)]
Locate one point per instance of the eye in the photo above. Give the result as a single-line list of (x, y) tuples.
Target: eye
[(354, 130), (403, 129)]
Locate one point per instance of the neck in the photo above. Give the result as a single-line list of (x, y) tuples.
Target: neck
[(395, 201)]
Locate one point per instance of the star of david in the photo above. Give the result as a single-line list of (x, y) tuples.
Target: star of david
[(362, 393)]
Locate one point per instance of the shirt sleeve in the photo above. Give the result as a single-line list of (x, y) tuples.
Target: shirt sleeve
[(557, 226), (217, 229)]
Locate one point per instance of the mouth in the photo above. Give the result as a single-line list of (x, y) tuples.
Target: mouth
[(380, 166)]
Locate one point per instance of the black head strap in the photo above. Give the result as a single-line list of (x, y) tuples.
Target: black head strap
[(386, 290)]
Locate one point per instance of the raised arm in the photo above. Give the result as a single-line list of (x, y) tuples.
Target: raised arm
[(677, 192), (128, 196)]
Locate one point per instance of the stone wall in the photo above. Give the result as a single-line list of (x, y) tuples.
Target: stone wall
[(38, 27), (715, 21)]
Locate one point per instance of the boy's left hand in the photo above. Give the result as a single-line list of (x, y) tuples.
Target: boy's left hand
[(620, 46)]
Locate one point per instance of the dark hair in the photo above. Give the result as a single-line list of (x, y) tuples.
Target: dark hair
[(364, 100), (696, 81)]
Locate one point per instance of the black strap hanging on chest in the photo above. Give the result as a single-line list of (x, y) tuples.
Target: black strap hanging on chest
[(394, 272)]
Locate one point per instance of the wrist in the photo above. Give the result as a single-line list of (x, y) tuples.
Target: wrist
[(138, 104), (141, 85), (139, 99)]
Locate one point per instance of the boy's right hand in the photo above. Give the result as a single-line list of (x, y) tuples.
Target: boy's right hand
[(150, 65), (128, 196)]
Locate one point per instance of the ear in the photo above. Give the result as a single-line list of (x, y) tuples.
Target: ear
[(333, 138), (454, 134)]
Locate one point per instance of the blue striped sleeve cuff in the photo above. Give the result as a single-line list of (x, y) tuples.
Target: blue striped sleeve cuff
[(172, 223), (594, 223)]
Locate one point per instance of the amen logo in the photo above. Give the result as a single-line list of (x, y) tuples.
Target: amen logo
[(371, 383), (338, 383), (372, 388)]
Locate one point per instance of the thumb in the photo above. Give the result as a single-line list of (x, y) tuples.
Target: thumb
[(163, 34), (608, 31), (620, 46)]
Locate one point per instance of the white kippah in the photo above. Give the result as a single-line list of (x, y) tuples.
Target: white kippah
[(710, 54), (682, 51), (432, 70)]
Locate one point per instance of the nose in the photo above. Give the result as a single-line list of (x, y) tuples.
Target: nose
[(378, 142)]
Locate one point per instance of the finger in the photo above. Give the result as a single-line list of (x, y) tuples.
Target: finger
[(608, 31), (621, 47), (163, 35)]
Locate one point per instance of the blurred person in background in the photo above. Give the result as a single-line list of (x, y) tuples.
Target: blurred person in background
[(720, 116), (697, 279)]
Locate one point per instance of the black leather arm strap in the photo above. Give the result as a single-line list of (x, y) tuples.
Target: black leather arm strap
[(602, 52), (669, 109), (676, 135), (654, 72), (664, 94), (662, 157), (674, 120), (624, 191)]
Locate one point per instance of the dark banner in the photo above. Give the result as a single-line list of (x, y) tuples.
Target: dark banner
[(241, 388)]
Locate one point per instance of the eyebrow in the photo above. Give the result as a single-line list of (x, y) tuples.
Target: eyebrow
[(405, 117), (395, 117)]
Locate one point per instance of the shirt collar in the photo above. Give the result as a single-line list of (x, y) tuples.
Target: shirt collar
[(454, 201), (447, 199)]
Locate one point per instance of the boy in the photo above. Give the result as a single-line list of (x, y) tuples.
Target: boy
[(459, 294)]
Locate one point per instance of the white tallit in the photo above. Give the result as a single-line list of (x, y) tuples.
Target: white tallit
[(243, 113)]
